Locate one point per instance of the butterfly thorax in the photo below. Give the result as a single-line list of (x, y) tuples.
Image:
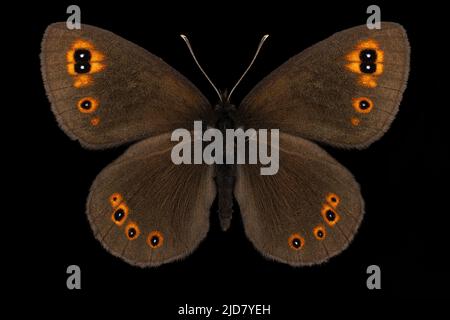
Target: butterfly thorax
[(225, 116)]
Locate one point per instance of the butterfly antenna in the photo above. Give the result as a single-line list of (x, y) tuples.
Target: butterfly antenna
[(263, 39), (199, 66)]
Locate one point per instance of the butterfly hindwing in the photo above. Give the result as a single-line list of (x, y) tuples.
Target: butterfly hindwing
[(343, 91), (106, 91), (148, 211), (306, 213)]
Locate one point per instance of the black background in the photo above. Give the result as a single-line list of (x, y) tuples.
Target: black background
[(406, 219)]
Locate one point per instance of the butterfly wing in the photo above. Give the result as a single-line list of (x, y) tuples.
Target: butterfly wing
[(306, 213), (147, 210), (106, 91), (343, 91)]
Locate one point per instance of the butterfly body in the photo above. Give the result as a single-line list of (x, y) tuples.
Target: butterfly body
[(225, 173), (106, 91)]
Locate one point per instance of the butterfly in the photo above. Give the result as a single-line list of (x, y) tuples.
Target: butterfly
[(343, 91)]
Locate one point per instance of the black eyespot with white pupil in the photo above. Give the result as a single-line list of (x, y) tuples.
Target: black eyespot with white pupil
[(368, 67), (132, 232), (320, 233), (82, 67), (331, 216), (119, 215), (82, 55), (86, 105), (364, 104), (82, 58), (296, 243), (154, 240), (368, 55)]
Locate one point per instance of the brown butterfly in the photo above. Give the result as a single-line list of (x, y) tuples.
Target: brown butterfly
[(343, 91)]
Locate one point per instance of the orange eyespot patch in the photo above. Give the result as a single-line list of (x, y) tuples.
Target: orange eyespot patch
[(81, 44), (333, 199), (330, 215), (132, 231), (120, 214), (320, 232), (355, 121), (367, 81), (115, 199), (82, 61), (370, 44), (82, 81), (155, 239), (95, 121), (362, 104), (296, 241), (87, 105), (366, 60)]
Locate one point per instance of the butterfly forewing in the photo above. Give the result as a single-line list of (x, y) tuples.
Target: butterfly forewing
[(344, 91), (106, 91)]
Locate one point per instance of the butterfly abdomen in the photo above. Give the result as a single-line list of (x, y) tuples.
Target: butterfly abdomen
[(225, 179)]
